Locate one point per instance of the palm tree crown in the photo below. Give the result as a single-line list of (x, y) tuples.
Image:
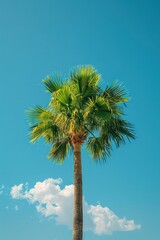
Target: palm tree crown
[(80, 111)]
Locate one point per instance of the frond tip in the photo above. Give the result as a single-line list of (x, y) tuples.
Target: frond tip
[(119, 130), (52, 84), (116, 93), (59, 149), (98, 148), (35, 114)]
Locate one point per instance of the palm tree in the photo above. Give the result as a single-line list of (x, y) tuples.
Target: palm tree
[(81, 112)]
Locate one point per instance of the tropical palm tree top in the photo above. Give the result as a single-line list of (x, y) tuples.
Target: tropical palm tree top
[(79, 112)]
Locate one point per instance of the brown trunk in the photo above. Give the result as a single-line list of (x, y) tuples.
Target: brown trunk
[(78, 202)]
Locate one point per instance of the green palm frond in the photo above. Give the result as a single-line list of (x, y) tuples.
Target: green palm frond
[(60, 149), (62, 101), (35, 114), (38, 115), (118, 130), (116, 93), (64, 96), (42, 122), (47, 130), (97, 108), (84, 82), (37, 132), (98, 148), (53, 84)]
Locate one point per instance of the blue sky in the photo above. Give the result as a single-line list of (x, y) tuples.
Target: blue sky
[(120, 39)]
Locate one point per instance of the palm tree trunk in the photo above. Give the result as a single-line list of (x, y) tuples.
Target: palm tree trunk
[(78, 202)]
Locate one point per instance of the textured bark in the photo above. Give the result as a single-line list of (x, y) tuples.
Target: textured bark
[(78, 202)]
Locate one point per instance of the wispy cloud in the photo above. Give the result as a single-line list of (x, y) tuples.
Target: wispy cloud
[(1, 189), (51, 200), (16, 208)]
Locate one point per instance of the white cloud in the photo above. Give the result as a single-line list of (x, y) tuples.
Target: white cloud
[(16, 191), (106, 222), (51, 200)]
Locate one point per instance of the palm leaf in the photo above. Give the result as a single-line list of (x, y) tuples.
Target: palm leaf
[(64, 96), (60, 149), (34, 114), (98, 148), (116, 93), (118, 131), (53, 84), (97, 108), (84, 82), (47, 130)]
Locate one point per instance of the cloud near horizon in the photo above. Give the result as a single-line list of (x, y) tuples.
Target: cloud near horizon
[(51, 200)]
